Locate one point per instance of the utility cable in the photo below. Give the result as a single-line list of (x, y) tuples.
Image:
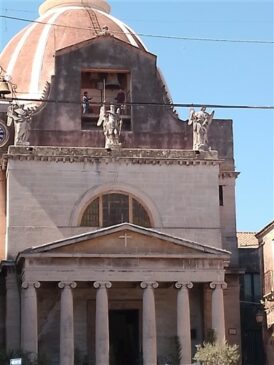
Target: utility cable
[(175, 105), (199, 39)]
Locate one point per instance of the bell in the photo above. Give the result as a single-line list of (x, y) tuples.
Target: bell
[(112, 81), (4, 87)]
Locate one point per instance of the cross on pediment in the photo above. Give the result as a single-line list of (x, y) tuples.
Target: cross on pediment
[(125, 237)]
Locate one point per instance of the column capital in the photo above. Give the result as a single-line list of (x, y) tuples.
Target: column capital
[(30, 284), (102, 284), (149, 284), (183, 285), (218, 285), (67, 285)]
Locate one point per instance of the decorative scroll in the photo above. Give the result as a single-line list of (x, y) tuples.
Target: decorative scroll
[(102, 284)]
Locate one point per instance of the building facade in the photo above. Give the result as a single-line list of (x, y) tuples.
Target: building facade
[(252, 323), (265, 238), (116, 242)]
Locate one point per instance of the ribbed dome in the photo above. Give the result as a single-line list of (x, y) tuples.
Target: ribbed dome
[(94, 4), (29, 56)]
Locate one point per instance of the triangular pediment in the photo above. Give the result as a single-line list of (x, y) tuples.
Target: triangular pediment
[(126, 239), (110, 40)]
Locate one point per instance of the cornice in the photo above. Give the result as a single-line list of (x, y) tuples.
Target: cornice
[(101, 155), (229, 174)]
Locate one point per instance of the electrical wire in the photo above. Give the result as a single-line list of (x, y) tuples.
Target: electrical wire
[(199, 39), (171, 105)]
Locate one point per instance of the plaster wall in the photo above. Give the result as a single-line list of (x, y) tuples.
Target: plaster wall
[(232, 310), (228, 219), (153, 126), (267, 240), (268, 251), (42, 198)]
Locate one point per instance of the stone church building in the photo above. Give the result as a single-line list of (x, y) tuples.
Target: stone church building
[(111, 255)]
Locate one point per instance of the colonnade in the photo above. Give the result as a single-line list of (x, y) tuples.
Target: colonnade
[(29, 337)]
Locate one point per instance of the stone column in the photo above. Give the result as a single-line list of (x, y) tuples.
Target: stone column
[(101, 323), (183, 321), (12, 310), (29, 318), (66, 324), (218, 313), (149, 324)]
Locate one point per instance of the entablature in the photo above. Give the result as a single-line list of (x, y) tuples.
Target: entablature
[(125, 155)]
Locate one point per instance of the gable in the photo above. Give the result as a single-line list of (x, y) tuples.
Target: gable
[(127, 239), (107, 42), (123, 253), (126, 242)]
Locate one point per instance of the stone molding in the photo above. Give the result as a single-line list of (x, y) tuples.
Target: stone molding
[(67, 285), (183, 285), (149, 284), (100, 155), (229, 174), (102, 284), (218, 285), (30, 284)]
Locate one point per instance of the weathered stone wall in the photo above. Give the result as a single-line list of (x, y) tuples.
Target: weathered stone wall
[(153, 126), (268, 251), (228, 216), (266, 237), (46, 198), (232, 310)]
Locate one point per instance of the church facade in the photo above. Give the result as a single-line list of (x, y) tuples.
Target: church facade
[(118, 234)]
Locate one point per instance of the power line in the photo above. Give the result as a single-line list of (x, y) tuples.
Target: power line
[(20, 10), (175, 105), (199, 39)]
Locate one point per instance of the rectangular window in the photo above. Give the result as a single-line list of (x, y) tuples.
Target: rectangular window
[(221, 195), (251, 287), (111, 87)]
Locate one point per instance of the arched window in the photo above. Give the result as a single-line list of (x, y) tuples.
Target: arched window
[(114, 208)]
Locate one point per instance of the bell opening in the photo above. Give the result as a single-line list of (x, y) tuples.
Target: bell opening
[(112, 81), (4, 88)]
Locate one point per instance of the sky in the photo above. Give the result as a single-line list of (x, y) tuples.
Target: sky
[(203, 72)]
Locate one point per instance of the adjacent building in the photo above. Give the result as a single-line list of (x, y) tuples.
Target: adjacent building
[(266, 242), (252, 319)]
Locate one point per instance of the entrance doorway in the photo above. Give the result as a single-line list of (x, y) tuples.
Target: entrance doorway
[(124, 337)]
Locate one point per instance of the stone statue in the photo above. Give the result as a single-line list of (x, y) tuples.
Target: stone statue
[(201, 121), (105, 31), (112, 125), (21, 117)]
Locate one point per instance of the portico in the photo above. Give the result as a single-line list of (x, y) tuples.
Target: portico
[(157, 263)]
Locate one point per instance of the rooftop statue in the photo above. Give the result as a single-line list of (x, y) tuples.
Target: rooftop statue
[(21, 117), (201, 121), (112, 125)]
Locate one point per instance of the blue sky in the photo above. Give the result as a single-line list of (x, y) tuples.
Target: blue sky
[(208, 73)]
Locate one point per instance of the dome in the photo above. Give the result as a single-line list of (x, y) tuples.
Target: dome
[(29, 56)]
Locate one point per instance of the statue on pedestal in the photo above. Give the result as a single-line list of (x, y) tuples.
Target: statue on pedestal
[(21, 117), (112, 125), (201, 121)]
